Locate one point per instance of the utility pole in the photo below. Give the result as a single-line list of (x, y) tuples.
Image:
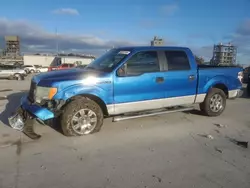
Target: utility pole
[(57, 42)]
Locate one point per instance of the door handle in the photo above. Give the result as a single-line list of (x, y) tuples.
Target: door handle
[(191, 77), (159, 79)]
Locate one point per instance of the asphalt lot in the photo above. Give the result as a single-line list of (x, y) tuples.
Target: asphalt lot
[(161, 151)]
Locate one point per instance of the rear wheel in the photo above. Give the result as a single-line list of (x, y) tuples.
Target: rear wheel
[(81, 117), (214, 103)]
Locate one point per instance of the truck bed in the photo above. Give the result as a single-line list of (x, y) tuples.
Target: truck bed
[(222, 74)]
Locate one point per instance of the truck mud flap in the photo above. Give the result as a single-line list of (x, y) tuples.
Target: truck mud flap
[(23, 122)]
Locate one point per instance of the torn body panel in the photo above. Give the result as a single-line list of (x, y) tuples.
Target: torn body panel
[(23, 118)]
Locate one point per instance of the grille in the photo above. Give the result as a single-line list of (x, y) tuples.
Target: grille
[(32, 92)]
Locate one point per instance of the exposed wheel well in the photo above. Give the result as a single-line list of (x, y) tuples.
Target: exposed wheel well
[(223, 87), (99, 101)]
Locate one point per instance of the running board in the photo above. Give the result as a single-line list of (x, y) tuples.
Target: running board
[(151, 113)]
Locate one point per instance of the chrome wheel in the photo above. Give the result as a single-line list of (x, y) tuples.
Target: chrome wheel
[(84, 121), (216, 103)]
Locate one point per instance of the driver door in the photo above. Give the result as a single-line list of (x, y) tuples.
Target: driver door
[(138, 84)]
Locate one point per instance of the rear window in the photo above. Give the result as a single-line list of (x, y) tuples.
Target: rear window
[(177, 60)]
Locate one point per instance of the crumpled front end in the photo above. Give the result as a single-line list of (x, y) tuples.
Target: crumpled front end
[(23, 118)]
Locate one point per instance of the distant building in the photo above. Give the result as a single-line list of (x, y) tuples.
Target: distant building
[(157, 42), (12, 46), (224, 54)]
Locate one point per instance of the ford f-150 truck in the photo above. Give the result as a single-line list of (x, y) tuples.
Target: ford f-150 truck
[(125, 83)]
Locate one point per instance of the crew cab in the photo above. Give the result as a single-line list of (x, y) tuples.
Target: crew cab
[(124, 83)]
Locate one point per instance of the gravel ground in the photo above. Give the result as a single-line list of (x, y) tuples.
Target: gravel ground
[(172, 150)]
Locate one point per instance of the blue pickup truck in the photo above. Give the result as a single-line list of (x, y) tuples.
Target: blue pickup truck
[(124, 83)]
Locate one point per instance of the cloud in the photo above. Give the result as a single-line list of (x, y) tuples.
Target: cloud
[(244, 28), (205, 51), (36, 39), (241, 38), (67, 11), (170, 9)]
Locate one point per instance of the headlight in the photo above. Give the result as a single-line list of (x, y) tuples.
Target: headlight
[(44, 93)]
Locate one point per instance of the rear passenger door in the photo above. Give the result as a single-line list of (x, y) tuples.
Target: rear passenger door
[(180, 78)]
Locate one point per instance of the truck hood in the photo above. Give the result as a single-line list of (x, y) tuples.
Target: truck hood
[(66, 77)]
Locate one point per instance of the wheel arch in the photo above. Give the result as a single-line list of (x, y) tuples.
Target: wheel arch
[(95, 98), (219, 82), (221, 86)]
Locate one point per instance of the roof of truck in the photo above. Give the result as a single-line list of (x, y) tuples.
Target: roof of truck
[(152, 48)]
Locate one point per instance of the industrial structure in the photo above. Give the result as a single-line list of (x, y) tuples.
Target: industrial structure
[(12, 46), (157, 41), (224, 54), (11, 53)]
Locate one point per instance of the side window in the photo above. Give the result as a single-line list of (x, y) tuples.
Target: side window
[(177, 60), (141, 62)]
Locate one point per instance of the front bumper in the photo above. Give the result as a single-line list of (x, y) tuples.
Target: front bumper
[(33, 111), (37, 111), (23, 118)]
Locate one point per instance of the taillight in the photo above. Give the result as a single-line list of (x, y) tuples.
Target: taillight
[(240, 76)]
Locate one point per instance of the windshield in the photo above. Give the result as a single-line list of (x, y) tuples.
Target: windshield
[(109, 60)]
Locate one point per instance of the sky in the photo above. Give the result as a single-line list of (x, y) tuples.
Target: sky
[(93, 26)]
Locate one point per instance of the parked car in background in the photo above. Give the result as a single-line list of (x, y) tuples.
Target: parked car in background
[(11, 63), (11, 72), (42, 69), (61, 67), (126, 83), (29, 68), (246, 72)]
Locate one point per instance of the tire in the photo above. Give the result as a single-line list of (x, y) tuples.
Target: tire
[(208, 107), (32, 71), (72, 110), (18, 76)]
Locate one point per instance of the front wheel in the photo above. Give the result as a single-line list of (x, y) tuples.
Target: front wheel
[(18, 76), (81, 117), (214, 103)]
